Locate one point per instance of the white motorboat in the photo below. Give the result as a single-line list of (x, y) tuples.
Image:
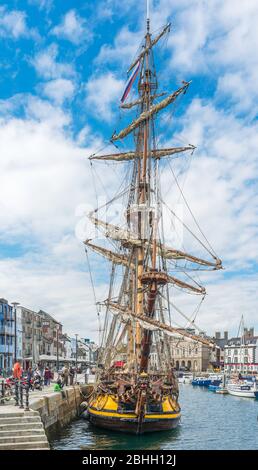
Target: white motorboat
[(242, 389), (185, 378)]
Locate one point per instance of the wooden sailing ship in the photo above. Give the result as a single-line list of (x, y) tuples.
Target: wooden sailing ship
[(134, 397)]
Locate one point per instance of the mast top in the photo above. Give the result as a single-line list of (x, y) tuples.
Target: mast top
[(148, 15)]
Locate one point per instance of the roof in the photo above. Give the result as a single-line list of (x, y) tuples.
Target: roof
[(46, 315), (238, 340)]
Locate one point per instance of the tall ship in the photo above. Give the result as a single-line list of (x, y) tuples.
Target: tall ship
[(131, 394)]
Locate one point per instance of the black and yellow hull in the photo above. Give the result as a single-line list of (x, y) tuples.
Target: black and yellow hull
[(108, 417)]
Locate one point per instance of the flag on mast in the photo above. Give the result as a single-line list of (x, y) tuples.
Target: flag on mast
[(130, 82)]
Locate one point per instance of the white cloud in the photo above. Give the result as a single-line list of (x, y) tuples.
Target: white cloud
[(54, 286), (59, 90), (13, 24), (241, 90), (103, 93), (73, 28), (42, 4), (124, 49), (45, 176), (47, 66), (221, 183)]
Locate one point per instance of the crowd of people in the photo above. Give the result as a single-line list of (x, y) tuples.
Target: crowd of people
[(43, 376)]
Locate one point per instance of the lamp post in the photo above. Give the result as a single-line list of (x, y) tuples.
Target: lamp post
[(76, 352), (57, 348), (15, 304)]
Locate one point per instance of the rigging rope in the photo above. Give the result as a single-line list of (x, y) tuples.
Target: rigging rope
[(190, 231), (93, 290), (190, 210)]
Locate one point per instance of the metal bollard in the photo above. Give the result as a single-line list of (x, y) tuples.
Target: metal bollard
[(27, 398), (21, 396), (2, 393), (16, 393)]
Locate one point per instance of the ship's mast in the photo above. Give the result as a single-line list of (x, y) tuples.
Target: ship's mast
[(145, 89)]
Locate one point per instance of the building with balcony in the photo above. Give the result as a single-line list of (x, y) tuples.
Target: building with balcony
[(6, 335), (241, 353), (53, 349), (32, 341)]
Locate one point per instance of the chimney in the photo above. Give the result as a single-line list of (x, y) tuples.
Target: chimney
[(226, 335), (217, 335)]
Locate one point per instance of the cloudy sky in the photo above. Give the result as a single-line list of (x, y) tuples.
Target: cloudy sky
[(63, 70)]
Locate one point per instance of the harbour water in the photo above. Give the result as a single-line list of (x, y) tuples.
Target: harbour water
[(209, 421)]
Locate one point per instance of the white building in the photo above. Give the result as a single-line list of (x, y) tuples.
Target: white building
[(241, 354)]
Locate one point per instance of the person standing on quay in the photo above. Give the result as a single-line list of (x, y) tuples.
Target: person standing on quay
[(17, 370), (71, 374), (65, 374), (30, 377), (47, 376)]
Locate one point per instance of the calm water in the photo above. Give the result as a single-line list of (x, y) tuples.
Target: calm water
[(209, 421)]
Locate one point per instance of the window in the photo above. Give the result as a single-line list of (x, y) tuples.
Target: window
[(246, 359), (229, 360)]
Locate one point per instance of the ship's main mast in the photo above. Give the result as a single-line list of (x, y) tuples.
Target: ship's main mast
[(144, 199)]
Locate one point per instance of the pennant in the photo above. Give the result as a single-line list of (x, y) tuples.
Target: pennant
[(130, 83)]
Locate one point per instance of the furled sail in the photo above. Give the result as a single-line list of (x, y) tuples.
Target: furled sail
[(126, 156), (152, 323), (140, 100), (170, 253), (108, 254), (153, 110), (124, 261), (185, 285), (117, 233), (147, 48)]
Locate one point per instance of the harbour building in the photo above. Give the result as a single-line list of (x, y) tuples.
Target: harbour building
[(6, 335), (190, 355), (241, 353), (186, 354)]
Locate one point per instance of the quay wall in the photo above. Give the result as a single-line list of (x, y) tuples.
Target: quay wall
[(59, 408)]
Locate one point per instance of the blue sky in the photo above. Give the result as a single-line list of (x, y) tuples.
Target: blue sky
[(63, 70)]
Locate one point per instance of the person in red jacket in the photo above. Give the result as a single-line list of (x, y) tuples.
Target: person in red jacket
[(17, 370)]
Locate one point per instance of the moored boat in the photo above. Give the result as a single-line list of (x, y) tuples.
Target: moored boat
[(185, 378), (213, 388), (242, 389), (222, 390)]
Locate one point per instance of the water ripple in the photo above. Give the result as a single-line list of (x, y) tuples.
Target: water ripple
[(209, 421)]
